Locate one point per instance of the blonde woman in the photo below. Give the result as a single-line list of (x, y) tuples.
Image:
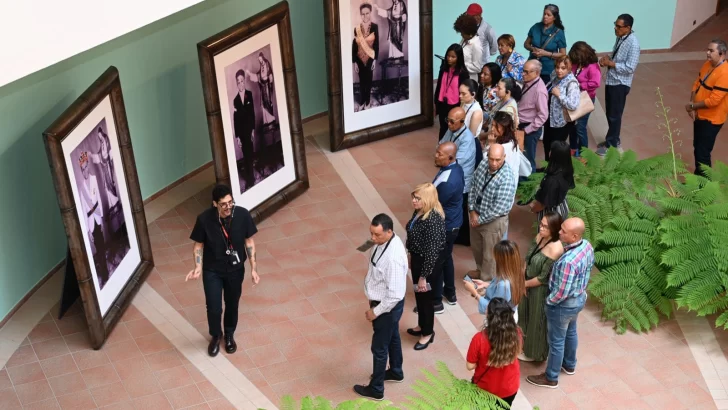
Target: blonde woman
[(425, 245)]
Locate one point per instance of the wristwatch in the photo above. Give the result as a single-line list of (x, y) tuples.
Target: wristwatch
[(692, 106)]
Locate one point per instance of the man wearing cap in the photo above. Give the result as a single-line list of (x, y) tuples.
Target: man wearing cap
[(485, 32)]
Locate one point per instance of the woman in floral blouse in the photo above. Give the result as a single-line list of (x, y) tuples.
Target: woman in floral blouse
[(565, 93), (510, 62), (487, 96)]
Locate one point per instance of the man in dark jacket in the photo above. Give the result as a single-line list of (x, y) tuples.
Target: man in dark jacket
[(244, 125)]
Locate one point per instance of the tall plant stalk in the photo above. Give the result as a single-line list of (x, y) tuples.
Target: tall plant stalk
[(663, 112)]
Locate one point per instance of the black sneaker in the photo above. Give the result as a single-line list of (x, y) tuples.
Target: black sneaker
[(389, 376), (451, 300), (366, 391), (439, 309), (415, 310)]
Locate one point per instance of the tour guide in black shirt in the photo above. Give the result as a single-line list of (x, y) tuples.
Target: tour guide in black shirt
[(223, 238)]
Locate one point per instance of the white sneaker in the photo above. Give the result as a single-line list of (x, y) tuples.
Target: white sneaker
[(522, 357)]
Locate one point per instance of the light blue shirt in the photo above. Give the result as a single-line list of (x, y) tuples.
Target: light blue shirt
[(625, 61), (498, 288), (466, 151)]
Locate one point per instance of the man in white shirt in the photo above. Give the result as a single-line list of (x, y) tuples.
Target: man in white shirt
[(385, 286), (91, 205), (486, 33)]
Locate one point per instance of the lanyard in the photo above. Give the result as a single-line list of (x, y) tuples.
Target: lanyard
[(701, 83), (228, 243), (412, 223), (618, 44), (537, 249), (492, 177), (529, 87), (711, 72), (452, 77), (381, 254)]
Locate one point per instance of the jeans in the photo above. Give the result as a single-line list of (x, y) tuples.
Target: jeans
[(530, 143), (386, 344), (561, 334), (219, 286), (426, 300), (579, 136), (704, 135), (615, 97), (448, 269)]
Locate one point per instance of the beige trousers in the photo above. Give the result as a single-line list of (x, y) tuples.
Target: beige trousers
[(482, 240)]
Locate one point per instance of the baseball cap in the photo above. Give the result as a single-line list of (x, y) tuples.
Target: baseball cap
[(474, 9)]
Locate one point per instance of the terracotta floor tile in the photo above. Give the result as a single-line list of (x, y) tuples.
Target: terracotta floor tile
[(33, 392), (131, 367), (265, 355), (153, 343), (174, 378), (184, 397), (152, 402), (24, 355), (78, 401), (100, 376), (142, 384), (209, 392), (311, 324), (49, 404), (72, 324), (109, 394), (9, 400), (293, 348), (44, 331), (118, 334), (141, 327), (59, 365), (26, 373), (5, 382), (67, 384), (86, 359), (242, 361), (163, 360)]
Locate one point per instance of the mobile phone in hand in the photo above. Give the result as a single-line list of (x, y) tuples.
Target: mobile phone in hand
[(469, 279), (429, 288)]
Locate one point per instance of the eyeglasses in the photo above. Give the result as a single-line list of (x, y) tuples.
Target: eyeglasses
[(416, 198), (544, 226), (528, 71), (226, 205), (618, 26)]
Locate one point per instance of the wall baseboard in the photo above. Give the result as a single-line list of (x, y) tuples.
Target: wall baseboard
[(154, 196), (44, 279)]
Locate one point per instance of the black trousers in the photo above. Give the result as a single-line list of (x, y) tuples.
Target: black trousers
[(463, 236), (219, 287), (386, 344), (448, 269), (551, 134), (442, 111), (102, 269), (615, 97), (365, 81), (425, 300), (704, 135)]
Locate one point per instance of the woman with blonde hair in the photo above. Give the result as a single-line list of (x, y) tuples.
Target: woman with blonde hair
[(508, 283), (425, 243), (493, 351)]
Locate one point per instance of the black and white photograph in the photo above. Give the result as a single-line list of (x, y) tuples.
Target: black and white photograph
[(250, 86), (379, 52), (98, 189)]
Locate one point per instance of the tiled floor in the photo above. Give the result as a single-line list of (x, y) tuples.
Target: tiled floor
[(301, 330)]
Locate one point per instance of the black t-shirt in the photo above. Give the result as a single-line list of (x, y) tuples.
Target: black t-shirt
[(208, 231)]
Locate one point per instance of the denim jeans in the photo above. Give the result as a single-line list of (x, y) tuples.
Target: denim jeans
[(530, 142), (561, 335), (386, 343), (579, 137)]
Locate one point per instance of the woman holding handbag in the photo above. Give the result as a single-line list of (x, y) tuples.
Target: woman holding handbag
[(494, 350), (565, 95), (585, 66)]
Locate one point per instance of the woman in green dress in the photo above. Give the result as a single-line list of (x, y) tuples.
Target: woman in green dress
[(531, 314)]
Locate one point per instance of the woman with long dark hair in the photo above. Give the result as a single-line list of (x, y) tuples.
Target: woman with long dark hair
[(509, 93), (487, 96), (546, 40), (493, 353), (546, 249), (559, 179), (447, 94), (585, 66)]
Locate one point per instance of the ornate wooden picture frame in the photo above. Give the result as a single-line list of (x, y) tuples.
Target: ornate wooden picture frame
[(253, 112), (92, 163), (379, 65)]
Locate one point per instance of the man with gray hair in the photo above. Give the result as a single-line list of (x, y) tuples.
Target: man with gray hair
[(708, 106), (533, 108)]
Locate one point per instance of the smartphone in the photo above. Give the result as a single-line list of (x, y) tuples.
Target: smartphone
[(469, 279), (429, 288), (439, 56)]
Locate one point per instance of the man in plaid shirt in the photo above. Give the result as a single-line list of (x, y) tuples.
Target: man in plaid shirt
[(491, 196), (621, 66), (566, 298)]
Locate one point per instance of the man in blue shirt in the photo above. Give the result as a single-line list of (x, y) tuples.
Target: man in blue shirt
[(459, 134), (450, 182)]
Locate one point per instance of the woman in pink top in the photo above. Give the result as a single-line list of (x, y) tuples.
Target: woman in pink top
[(585, 67), (447, 91)]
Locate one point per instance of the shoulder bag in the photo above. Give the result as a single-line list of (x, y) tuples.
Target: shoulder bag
[(585, 106)]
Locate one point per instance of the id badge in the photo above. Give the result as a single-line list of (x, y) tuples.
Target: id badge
[(227, 252)]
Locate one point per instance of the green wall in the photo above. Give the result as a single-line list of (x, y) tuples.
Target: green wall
[(590, 21), (160, 78)]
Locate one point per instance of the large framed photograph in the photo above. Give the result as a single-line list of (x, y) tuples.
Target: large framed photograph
[(90, 153), (379, 63), (251, 97)]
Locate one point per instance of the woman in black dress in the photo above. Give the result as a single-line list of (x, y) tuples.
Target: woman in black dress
[(425, 243), (559, 179)]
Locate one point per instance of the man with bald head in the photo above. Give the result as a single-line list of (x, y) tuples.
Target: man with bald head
[(450, 184), (533, 108), (491, 199), (566, 298), (467, 145)]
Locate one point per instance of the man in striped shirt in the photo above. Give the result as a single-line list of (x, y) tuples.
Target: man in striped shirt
[(385, 286), (621, 66), (490, 200), (566, 298)]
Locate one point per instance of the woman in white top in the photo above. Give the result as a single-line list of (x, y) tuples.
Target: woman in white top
[(509, 93), (467, 26), (473, 110)]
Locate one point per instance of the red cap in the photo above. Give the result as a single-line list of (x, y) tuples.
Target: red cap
[(474, 9)]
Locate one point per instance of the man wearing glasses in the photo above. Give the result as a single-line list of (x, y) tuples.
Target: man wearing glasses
[(533, 108), (223, 241), (621, 65)]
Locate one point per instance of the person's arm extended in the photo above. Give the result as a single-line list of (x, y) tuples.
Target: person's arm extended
[(250, 250), (197, 257)]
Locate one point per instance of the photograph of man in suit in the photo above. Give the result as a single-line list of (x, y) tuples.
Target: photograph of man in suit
[(365, 51), (244, 124)]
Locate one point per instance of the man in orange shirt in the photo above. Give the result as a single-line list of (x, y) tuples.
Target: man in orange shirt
[(708, 105)]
